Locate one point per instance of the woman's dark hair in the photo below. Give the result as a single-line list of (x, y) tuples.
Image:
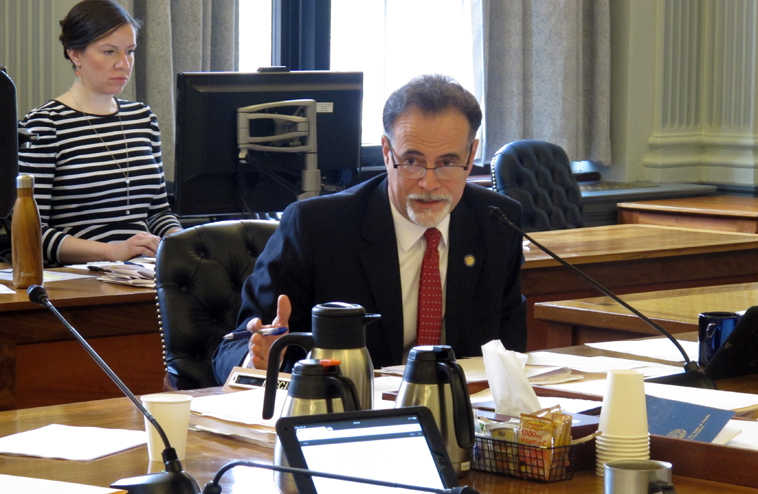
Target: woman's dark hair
[(432, 94), (90, 20)]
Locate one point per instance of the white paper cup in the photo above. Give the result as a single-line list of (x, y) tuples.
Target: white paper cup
[(624, 413), (172, 411)]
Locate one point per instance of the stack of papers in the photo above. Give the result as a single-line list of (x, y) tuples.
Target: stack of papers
[(128, 273), (13, 483), (658, 348), (71, 443), (473, 368), (237, 414)]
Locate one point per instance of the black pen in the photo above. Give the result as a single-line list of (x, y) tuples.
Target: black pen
[(238, 334)]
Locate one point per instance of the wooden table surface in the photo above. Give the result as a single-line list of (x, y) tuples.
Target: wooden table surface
[(577, 321), (207, 452), (719, 212), (41, 364), (631, 258)]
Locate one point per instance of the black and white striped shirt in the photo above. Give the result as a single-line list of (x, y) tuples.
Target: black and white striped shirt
[(83, 166)]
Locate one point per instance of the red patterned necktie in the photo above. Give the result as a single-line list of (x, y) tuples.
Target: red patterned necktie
[(429, 325)]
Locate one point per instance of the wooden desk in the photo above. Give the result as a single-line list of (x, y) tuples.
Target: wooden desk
[(722, 212), (41, 364), (601, 319), (630, 258), (206, 453)]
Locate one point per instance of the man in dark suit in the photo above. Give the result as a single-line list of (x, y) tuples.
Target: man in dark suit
[(367, 244)]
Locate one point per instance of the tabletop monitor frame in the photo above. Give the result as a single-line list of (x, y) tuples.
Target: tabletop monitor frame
[(210, 181)]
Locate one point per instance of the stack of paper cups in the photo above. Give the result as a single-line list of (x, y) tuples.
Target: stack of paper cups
[(623, 420)]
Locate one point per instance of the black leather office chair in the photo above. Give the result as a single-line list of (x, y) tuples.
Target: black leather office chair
[(538, 175), (198, 276)]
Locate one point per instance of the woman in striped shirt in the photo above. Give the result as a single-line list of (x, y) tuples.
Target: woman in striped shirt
[(99, 180)]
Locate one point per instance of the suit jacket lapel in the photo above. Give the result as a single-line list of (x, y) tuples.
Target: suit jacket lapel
[(379, 259), (464, 264)]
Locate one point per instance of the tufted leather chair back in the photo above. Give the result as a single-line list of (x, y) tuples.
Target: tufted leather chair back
[(198, 277), (538, 175)]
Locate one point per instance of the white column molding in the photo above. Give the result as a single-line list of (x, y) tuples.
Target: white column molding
[(706, 100)]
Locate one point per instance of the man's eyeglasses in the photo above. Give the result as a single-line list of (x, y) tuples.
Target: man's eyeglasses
[(415, 168)]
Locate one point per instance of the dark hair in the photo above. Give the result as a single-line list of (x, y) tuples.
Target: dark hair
[(90, 20), (432, 94)]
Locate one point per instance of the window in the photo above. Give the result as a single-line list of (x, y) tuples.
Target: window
[(390, 41), (254, 34)]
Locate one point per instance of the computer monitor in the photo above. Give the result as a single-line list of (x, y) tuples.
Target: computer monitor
[(210, 181), (8, 143)]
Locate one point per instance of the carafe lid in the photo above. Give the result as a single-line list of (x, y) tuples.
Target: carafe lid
[(338, 325), (436, 353), (338, 309), (316, 367)]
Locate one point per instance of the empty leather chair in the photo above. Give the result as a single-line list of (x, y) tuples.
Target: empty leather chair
[(538, 175), (198, 277)]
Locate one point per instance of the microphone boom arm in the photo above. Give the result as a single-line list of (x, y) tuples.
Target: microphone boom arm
[(688, 365), (213, 486), (104, 366)]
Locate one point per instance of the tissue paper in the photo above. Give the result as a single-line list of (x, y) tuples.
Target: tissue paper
[(510, 387)]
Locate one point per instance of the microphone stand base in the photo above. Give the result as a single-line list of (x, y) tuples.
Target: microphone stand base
[(159, 483), (691, 379)]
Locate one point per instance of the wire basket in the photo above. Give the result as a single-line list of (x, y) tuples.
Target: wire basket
[(522, 460)]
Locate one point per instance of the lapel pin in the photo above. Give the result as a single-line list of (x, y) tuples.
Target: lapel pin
[(469, 260)]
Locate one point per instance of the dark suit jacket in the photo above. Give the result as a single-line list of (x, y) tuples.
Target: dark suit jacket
[(342, 247)]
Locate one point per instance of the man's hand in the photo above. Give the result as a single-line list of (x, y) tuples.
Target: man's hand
[(259, 345), (140, 244)]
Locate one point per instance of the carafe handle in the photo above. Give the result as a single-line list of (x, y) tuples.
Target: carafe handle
[(463, 414), (347, 391), (304, 341)]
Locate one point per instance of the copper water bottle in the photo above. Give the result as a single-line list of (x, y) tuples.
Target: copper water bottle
[(26, 236)]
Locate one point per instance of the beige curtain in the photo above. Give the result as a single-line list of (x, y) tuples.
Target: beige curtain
[(180, 36), (544, 73)]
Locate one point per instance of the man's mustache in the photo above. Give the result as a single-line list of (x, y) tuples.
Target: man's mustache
[(429, 197)]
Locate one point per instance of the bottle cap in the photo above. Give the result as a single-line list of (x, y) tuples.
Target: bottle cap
[(25, 181)]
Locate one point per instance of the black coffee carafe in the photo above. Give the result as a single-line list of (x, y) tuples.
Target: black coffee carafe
[(338, 333), (433, 379)]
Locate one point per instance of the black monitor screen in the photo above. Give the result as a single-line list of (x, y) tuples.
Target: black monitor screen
[(8, 143), (209, 180)]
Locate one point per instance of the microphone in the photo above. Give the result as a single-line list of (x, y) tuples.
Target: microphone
[(213, 486), (174, 480), (693, 376)]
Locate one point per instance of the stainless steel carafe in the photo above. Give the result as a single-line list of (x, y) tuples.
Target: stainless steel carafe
[(339, 333), (316, 387), (433, 379)]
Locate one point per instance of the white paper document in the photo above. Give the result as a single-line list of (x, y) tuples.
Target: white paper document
[(47, 276), (6, 289), (726, 400), (385, 384), (658, 348), (71, 443), (599, 364), (13, 483), (744, 434), (569, 405), (245, 407)]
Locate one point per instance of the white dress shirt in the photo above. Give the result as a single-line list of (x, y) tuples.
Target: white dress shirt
[(411, 246)]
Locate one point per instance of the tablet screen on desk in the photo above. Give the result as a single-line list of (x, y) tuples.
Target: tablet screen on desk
[(400, 445)]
